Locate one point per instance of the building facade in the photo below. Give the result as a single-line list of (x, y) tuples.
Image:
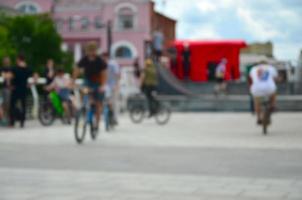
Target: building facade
[(266, 49), (132, 24)]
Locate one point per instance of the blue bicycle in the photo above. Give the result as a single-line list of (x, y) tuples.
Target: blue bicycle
[(85, 118)]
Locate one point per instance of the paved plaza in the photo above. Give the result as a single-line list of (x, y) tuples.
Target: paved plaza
[(200, 156)]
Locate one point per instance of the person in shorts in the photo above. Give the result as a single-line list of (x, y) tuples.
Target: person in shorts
[(264, 77), (220, 77), (94, 70)]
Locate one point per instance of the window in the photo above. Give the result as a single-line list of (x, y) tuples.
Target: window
[(28, 8), (98, 23), (59, 24), (123, 52), (125, 19), (71, 24), (85, 23)]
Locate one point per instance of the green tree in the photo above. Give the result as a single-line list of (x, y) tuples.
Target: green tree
[(6, 47), (36, 37)]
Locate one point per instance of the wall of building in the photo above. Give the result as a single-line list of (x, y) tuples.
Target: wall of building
[(145, 21), (259, 49)]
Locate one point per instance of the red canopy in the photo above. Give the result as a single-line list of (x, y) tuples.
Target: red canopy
[(205, 52)]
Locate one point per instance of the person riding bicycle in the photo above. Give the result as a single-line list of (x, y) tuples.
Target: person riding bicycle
[(264, 77), (62, 85), (113, 81), (94, 69), (149, 84)]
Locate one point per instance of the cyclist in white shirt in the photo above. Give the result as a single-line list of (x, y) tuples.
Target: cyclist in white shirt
[(264, 77)]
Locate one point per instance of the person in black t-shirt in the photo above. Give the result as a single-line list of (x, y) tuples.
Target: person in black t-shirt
[(49, 72), (21, 74), (94, 69)]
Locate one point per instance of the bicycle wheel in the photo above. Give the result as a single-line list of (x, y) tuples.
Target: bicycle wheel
[(80, 126), (163, 115), (107, 118), (137, 114), (47, 114), (94, 130)]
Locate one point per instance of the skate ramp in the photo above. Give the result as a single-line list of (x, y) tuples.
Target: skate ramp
[(170, 85)]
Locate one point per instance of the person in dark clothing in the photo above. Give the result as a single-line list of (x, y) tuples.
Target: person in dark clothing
[(50, 71), (137, 69), (49, 74), (187, 61), (94, 69), (21, 74)]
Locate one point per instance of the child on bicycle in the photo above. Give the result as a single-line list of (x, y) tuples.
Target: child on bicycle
[(62, 85)]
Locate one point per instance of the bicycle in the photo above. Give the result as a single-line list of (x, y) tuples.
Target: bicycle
[(266, 114), (138, 112), (109, 120), (51, 109), (85, 118)]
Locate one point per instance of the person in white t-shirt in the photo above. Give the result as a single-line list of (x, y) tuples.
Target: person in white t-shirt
[(62, 85), (113, 83), (264, 77)]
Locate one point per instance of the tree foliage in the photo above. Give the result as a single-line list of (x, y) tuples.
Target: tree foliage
[(36, 37)]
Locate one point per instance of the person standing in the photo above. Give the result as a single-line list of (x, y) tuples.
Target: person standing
[(187, 61), (149, 84), (49, 72), (113, 83), (6, 92), (21, 73), (137, 73), (158, 43), (220, 77)]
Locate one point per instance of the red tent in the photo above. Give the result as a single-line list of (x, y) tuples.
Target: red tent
[(205, 52)]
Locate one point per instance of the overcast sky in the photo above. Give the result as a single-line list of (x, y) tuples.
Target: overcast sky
[(279, 21)]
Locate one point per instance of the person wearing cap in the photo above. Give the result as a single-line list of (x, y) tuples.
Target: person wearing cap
[(264, 77), (94, 69)]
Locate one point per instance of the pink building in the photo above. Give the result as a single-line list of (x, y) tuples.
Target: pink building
[(79, 21)]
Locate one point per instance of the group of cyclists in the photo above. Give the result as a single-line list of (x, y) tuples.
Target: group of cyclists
[(101, 76)]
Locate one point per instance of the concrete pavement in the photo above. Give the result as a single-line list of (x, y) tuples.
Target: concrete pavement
[(196, 156)]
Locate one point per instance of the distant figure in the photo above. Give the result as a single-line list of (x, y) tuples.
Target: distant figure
[(220, 72), (49, 72), (186, 61), (137, 72), (21, 74), (158, 44), (149, 85), (6, 73), (264, 77), (173, 59), (113, 85)]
